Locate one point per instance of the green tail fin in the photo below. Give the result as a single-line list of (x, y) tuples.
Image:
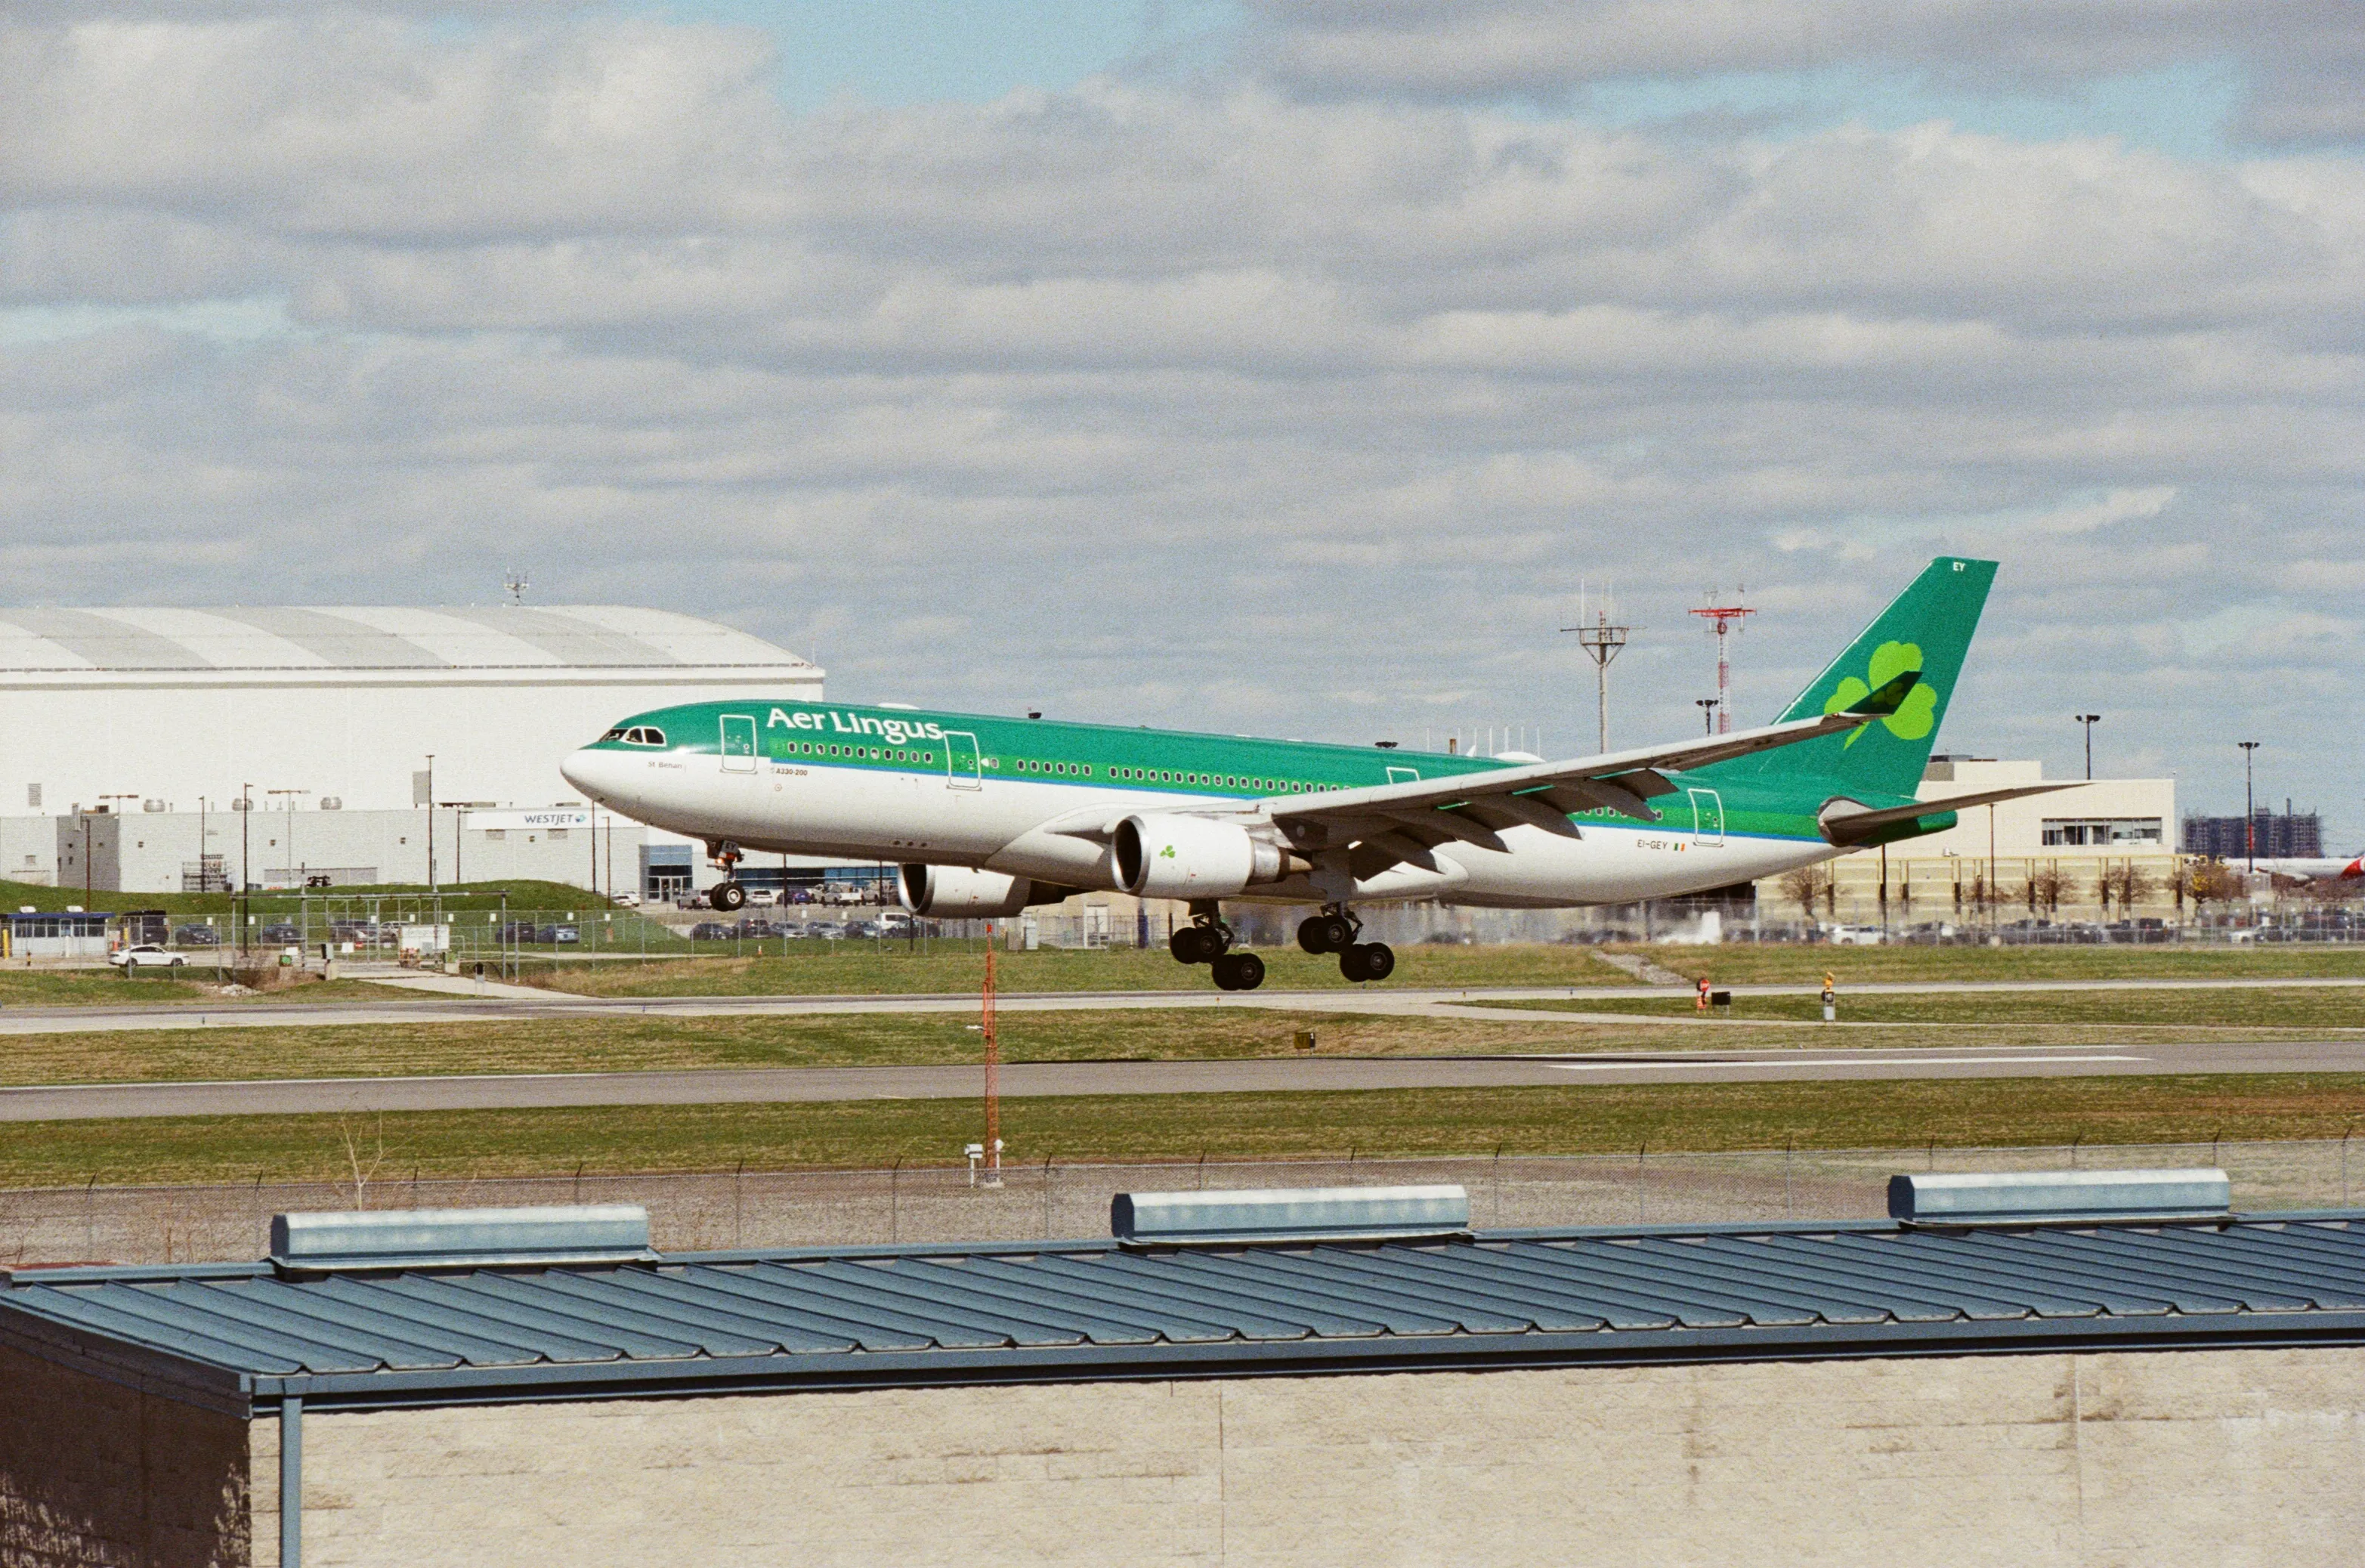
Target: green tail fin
[(1924, 633)]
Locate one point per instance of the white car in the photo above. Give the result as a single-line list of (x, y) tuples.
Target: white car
[(147, 956)]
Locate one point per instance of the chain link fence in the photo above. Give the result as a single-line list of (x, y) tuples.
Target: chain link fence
[(843, 1208)]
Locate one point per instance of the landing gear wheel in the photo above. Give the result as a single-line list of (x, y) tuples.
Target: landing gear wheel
[(1238, 971), (1197, 945), (1367, 961), (727, 896)]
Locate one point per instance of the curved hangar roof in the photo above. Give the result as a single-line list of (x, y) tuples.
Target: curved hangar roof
[(141, 646)]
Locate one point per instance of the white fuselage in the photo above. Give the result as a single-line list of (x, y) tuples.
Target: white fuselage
[(999, 824)]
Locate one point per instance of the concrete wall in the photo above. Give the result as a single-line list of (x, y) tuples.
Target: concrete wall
[(2224, 1458), (92, 1471)]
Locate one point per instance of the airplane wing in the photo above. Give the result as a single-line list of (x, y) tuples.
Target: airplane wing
[(1388, 823), (1847, 824)]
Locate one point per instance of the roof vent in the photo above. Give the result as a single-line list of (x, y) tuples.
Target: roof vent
[(1288, 1213), (2059, 1197), (460, 1239)]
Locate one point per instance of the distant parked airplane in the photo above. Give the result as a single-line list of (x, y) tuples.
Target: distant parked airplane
[(989, 815), (2304, 870)]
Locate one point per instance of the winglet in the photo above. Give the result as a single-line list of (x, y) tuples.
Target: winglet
[(1888, 699)]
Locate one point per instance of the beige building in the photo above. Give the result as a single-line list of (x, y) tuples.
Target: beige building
[(1855, 1392), (2073, 854)]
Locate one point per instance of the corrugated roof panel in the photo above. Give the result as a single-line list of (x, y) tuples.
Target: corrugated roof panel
[(1205, 1313), (1143, 1318), (1907, 1295), (796, 1312), (423, 1299), (1844, 1290), (2118, 1285), (819, 1284), (1927, 1258), (666, 1290)]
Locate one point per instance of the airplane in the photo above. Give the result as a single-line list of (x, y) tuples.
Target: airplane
[(2304, 869), (987, 816)]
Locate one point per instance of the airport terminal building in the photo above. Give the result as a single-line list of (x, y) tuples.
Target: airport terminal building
[(134, 731)]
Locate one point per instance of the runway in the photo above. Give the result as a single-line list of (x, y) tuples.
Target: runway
[(1259, 1075), (454, 1002)]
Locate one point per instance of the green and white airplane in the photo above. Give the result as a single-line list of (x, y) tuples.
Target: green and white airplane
[(987, 816)]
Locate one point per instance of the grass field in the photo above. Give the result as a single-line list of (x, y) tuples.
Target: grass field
[(198, 988), (2292, 1007), (860, 967), (627, 1044), (1952, 1113)]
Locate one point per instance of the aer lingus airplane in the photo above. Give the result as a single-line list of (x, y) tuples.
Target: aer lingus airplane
[(989, 815)]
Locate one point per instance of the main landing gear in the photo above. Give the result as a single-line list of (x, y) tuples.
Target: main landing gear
[(1208, 940), (727, 895), (1334, 931)]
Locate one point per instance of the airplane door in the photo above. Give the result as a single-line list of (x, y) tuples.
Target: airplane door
[(1708, 817), (961, 761), (738, 744)]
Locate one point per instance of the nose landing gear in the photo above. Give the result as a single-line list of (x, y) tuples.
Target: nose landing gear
[(1208, 940), (1334, 931)]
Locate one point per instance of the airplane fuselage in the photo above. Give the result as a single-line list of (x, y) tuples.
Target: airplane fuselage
[(1028, 797)]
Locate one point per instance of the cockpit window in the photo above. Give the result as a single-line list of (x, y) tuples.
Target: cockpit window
[(614, 736), (642, 734)]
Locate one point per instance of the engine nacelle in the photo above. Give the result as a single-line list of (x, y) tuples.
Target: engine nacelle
[(1194, 858), (958, 894)]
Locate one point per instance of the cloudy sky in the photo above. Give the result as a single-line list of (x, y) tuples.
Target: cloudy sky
[(1243, 366)]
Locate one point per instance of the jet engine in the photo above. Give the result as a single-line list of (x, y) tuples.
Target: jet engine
[(958, 892), (1195, 858)]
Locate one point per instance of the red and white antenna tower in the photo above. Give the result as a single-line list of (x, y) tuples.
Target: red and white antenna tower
[(1727, 618)]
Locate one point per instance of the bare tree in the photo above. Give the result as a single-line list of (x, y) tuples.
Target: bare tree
[(1804, 886), (2212, 881), (2047, 887), (2127, 882)]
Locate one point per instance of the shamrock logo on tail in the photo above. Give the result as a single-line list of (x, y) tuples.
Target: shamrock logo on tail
[(1914, 717)]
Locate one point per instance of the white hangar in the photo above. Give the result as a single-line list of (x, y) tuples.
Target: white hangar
[(174, 710)]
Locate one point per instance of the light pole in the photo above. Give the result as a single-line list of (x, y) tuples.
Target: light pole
[(1601, 642), (118, 844), (242, 909), (2089, 721), (2249, 807), (1708, 707), (291, 795), (431, 824)]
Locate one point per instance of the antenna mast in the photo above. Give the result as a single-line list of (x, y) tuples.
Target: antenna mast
[(1601, 641), (1727, 618)]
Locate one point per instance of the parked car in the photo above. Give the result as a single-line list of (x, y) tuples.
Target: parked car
[(709, 931), (823, 929), (557, 935), (282, 931), (146, 956), (197, 937)]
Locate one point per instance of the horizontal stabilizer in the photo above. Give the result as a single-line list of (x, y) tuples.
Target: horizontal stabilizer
[(1846, 823)]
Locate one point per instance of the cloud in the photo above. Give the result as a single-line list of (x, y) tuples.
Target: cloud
[(1225, 403), (2301, 58)]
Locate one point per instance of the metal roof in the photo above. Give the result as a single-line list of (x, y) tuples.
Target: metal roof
[(150, 639), (233, 1334)]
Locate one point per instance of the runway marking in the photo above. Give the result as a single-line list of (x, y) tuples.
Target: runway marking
[(1835, 1061)]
